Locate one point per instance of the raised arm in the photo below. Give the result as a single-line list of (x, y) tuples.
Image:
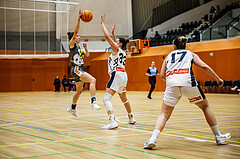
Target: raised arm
[(107, 35), (207, 69), (73, 40), (86, 50), (113, 33)]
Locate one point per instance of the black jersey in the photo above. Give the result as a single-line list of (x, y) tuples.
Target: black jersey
[(77, 55)]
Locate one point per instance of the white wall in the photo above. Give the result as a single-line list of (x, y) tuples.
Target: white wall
[(193, 15), (117, 12)]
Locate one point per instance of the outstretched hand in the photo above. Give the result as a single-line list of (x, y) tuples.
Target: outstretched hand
[(85, 45), (80, 13), (103, 18), (113, 28)]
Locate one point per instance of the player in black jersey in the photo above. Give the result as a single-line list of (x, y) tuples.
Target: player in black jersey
[(77, 72)]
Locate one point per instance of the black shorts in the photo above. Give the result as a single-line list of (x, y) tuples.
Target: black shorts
[(76, 72)]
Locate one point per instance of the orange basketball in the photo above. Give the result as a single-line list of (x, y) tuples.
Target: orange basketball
[(87, 16)]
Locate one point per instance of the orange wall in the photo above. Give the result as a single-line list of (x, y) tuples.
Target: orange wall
[(17, 75), (225, 62)]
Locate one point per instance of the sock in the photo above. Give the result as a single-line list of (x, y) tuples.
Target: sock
[(93, 98), (111, 117), (74, 106), (130, 115), (155, 134), (215, 130)]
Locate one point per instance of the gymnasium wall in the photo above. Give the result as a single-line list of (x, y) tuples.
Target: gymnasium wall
[(34, 74), (223, 56), (18, 74)]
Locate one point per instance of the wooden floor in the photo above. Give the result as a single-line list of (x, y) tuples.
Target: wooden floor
[(36, 125)]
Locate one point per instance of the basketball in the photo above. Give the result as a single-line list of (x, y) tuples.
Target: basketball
[(87, 16)]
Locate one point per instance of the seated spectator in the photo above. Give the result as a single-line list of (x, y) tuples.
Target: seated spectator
[(212, 10), (57, 84), (205, 18), (65, 83), (157, 35), (196, 35), (218, 11)]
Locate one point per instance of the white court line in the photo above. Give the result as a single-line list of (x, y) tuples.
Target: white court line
[(171, 119), (173, 135)]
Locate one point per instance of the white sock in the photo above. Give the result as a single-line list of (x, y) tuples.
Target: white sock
[(155, 134), (129, 115), (215, 130), (111, 117)]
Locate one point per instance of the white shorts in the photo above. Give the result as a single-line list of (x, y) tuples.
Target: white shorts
[(118, 81), (172, 94)]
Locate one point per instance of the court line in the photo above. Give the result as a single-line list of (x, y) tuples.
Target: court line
[(124, 135), (150, 153), (89, 139), (54, 141), (54, 154)]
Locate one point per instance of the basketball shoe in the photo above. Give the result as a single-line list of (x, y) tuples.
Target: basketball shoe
[(131, 120), (111, 125), (72, 111), (150, 144), (222, 138), (95, 105)]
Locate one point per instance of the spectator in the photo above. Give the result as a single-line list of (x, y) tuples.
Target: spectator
[(212, 10), (65, 82), (196, 35), (157, 35), (57, 84), (218, 11)]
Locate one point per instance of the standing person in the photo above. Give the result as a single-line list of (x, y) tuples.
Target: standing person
[(65, 82), (177, 72), (77, 72), (152, 72), (57, 84), (118, 77)]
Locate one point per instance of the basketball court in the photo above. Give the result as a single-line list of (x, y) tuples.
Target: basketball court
[(37, 125), (34, 52)]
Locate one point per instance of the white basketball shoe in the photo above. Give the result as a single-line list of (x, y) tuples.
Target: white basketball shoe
[(95, 105), (151, 143), (222, 138), (131, 120), (111, 125), (72, 111)]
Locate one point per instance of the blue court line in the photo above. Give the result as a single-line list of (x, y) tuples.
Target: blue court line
[(65, 132), (28, 126)]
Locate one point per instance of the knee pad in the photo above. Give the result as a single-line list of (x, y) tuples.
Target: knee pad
[(107, 101)]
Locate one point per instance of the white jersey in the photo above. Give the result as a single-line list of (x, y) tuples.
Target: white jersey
[(179, 69), (117, 60)]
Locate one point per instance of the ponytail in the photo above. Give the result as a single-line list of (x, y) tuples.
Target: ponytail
[(180, 42), (70, 35)]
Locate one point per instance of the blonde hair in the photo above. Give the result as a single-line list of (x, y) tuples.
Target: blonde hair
[(180, 42)]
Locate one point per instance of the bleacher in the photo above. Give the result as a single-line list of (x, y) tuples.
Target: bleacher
[(193, 29)]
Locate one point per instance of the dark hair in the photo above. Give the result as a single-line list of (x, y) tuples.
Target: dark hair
[(124, 42), (180, 42), (70, 35)]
